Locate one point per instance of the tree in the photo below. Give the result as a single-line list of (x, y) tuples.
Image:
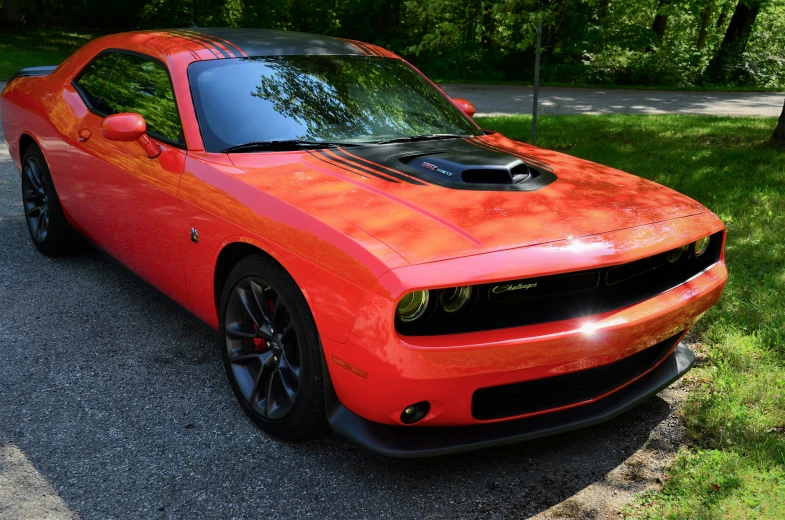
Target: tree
[(705, 20), (779, 132), (728, 57), (13, 15), (660, 20)]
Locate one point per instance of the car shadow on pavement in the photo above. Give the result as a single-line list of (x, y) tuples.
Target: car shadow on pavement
[(121, 405)]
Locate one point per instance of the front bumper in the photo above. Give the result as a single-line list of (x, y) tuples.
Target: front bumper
[(412, 442)]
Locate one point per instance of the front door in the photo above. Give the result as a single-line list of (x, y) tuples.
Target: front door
[(126, 202)]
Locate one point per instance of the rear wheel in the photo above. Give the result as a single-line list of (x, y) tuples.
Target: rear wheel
[(271, 350), (50, 231)]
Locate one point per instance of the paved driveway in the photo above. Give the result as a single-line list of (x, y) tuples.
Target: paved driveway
[(114, 406), (510, 99)]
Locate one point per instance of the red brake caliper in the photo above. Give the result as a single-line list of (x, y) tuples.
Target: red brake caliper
[(258, 343)]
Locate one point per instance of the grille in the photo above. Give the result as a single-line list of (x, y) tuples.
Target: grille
[(552, 392), (561, 297)]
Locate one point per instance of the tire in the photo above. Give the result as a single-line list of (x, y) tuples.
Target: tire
[(271, 350), (49, 229)]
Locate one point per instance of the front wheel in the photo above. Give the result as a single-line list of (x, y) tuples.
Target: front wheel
[(271, 350)]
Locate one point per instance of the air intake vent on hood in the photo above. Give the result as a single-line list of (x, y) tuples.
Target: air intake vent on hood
[(472, 169)]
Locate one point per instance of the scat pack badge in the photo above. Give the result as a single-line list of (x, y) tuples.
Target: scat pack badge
[(433, 167)]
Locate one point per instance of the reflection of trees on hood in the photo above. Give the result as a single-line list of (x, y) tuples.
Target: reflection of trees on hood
[(347, 97)]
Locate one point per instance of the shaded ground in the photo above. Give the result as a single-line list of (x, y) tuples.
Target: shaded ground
[(113, 406), (493, 100)]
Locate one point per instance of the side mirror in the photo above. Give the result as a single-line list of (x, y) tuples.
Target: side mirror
[(465, 105), (129, 127)]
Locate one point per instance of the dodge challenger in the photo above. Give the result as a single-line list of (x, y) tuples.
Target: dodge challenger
[(371, 259)]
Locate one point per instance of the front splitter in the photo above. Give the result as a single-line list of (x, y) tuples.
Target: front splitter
[(413, 441)]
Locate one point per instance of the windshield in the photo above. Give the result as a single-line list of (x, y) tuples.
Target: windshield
[(317, 98)]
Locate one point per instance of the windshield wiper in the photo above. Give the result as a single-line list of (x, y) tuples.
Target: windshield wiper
[(281, 146), (429, 137)]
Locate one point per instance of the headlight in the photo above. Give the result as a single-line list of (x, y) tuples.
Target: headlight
[(700, 246), (673, 256), (455, 299), (413, 305)]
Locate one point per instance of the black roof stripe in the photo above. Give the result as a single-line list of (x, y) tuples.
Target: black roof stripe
[(265, 42), (368, 49), (228, 45), (205, 46), (355, 45), (204, 40), (366, 165)]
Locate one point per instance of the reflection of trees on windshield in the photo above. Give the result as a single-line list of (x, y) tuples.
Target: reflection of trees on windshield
[(338, 97)]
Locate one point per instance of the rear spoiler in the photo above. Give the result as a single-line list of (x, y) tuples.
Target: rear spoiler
[(33, 71)]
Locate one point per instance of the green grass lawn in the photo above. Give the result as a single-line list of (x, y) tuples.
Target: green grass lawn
[(21, 48), (606, 86), (735, 414)]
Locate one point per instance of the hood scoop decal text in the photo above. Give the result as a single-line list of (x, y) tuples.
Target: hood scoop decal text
[(460, 164)]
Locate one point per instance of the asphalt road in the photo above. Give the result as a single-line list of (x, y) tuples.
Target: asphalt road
[(511, 99), (114, 406)]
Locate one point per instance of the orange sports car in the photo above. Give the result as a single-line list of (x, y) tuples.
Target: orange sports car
[(371, 259)]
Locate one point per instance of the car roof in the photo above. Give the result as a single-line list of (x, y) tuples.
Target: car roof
[(227, 42)]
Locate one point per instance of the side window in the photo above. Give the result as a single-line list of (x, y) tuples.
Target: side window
[(133, 84), (93, 80)]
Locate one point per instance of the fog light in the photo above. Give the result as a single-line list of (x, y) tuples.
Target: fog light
[(413, 305), (455, 299), (415, 412), (701, 246), (676, 254)]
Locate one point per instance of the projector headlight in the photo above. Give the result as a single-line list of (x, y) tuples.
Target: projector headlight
[(676, 254), (701, 246), (413, 305), (455, 298)]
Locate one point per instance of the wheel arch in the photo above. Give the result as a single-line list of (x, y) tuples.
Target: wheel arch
[(231, 254), (26, 139)]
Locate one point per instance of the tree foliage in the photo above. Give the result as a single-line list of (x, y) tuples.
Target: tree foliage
[(654, 42)]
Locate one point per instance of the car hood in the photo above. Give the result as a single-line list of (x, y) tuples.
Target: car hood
[(435, 200)]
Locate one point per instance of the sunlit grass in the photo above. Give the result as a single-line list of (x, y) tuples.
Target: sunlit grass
[(21, 48), (736, 410)]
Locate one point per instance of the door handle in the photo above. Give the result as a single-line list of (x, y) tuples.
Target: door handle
[(84, 135)]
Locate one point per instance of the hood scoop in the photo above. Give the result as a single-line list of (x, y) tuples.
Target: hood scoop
[(473, 169)]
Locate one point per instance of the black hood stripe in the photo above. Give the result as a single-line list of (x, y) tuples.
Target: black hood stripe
[(343, 163), (218, 53), (346, 158), (228, 45), (347, 167), (317, 156), (477, 141)]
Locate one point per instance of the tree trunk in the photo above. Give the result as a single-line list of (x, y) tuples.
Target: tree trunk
[(660, 21), (13, 15), (723, 16), (704, 27), (659, 26), (779, 132), (735, 41)]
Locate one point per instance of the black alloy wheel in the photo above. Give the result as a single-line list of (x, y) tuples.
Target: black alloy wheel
[(271, 349), (263, 348), (49, 229), (36, 199)]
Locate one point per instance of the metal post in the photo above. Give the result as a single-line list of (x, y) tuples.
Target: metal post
[(535, 101)]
